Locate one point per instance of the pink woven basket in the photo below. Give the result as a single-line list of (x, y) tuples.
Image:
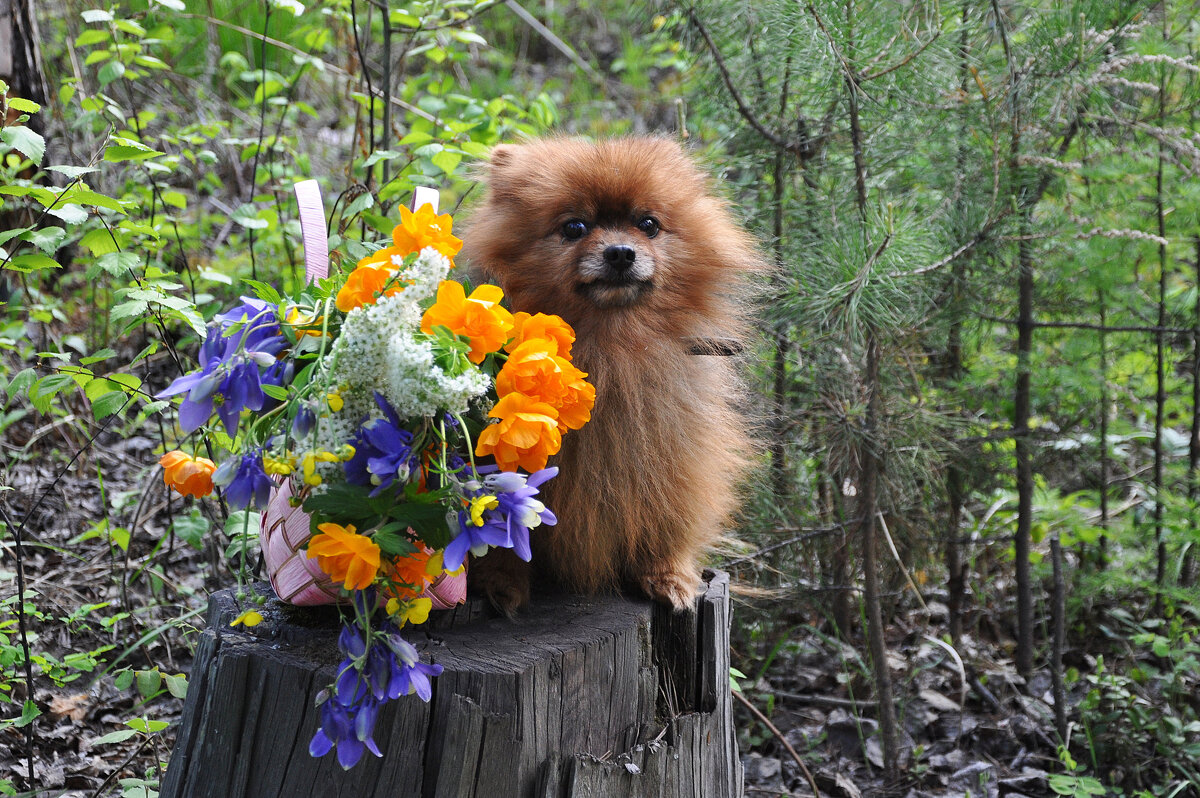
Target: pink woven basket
[(285, 529)]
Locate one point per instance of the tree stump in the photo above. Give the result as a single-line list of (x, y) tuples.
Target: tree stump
[(577, 697)]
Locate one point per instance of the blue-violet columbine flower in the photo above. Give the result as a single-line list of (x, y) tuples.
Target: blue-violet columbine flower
[(246, 480), (383, 451)]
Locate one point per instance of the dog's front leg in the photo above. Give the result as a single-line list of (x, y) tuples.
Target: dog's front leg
[(503, 577)]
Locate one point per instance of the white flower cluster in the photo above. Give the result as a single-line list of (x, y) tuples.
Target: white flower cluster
[(381, 348)]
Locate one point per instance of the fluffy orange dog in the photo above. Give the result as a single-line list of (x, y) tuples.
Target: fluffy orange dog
[(624, 241)]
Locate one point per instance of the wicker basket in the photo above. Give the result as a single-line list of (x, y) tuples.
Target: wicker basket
[(297, 579)]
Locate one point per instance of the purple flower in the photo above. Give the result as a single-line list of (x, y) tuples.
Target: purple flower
[(260, 332), (247, 481), (383, 452), (304, 421), (507, 521), (233, 368), (367, 677), (476, 539)]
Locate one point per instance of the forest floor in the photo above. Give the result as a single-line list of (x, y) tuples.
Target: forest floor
[(131, 594)]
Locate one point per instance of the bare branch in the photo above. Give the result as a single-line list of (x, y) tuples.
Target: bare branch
[(774, 138)]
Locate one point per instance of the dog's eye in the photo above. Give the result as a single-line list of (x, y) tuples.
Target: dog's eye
[(574, 229), (649, 226)]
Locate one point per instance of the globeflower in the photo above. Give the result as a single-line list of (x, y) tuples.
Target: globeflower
[(478, 317), (526, 435), (187, 475), (534, 370), (348, 557), (366, 284), (425, 228), (528, 327)]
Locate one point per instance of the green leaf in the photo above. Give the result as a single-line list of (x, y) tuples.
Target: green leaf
[(120, 537), (109, 404), (103, 354), (32, 262), (263, 291), (177, 685), (427, 520), (117, 153), (348, 502), (20, 383), (69, 213), (275, 392), (8, 235), (360, 203), (46, 239), (110, 72), (148, 683), (118, 736), (85, 196), (26, 141), (192, 528), (145, 724), (380, 155), (446, 161), (175, 199), (174, 5), (245, 216), (45, 389), (23, 105), (123, 680), (97, 15), (119, 264), (71, 173), (99, 242), (91, 36)]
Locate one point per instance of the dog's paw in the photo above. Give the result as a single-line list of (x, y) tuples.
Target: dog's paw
[(677, 587), (503, 578)]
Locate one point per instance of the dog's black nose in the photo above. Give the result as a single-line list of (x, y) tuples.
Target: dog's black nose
[(619, 256)]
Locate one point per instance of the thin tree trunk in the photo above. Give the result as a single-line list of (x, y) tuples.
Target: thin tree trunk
[(870, 459), (868, 503), (1021, 399), (955, 476), (1160, 394), (1105, 466), (1059, 640), (1021, 415), (779, 366)]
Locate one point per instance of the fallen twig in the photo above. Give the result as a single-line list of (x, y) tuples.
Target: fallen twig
[(779, 735)]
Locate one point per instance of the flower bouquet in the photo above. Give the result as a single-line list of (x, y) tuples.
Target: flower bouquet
[(408, 416)]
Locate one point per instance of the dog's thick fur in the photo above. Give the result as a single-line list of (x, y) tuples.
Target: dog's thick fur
[(647, 486)]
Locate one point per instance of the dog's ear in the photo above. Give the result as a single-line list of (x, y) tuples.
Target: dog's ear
[(502, 155)]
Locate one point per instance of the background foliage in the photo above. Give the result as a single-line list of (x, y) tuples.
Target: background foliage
[(982, 337)]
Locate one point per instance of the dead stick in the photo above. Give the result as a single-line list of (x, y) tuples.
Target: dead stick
[(779, 735)]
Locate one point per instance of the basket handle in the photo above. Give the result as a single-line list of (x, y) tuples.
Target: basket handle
[(314, 233)]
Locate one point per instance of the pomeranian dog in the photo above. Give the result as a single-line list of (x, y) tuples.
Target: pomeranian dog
[(624, 240)]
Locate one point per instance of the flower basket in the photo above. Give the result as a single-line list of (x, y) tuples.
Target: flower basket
[(298, 580)]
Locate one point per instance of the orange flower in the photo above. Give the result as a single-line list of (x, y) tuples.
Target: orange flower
[(534, 370), (425, 228), (187, 475), (553, 328), (479, 317), (365, 284), (412, 570), (526, 435), (348, 557)]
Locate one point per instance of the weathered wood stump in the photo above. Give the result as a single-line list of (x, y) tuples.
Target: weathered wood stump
[(576, 697)]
